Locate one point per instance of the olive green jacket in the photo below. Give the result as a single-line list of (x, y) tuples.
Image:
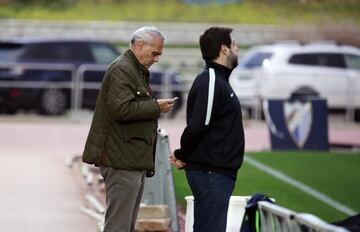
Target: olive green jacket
[(123, 130)]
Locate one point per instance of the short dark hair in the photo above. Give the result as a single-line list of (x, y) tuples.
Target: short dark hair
[(212, 39)]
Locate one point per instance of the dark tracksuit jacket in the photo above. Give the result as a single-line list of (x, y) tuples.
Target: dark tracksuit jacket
[(213, 139)]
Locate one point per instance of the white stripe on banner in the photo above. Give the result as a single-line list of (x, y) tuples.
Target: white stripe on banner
[(211, 95)]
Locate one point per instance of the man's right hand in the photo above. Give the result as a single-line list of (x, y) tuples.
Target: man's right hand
[(165, 105)]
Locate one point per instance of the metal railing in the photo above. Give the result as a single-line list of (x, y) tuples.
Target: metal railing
[(82, 85), (74, 80), (275, 218), (158, 190), (187, 72)]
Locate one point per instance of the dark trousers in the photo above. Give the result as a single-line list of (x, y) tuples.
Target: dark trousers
[(211, 193)]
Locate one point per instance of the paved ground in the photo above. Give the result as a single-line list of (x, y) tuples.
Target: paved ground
[(39, 193)]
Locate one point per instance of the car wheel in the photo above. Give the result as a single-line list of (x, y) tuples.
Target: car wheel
[(357, 115), (304, 93), (52, 102), (8, 110)]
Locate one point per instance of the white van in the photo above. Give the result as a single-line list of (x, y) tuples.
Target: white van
[(284, 70)]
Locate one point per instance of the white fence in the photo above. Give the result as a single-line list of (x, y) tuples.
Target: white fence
[(275, 218)]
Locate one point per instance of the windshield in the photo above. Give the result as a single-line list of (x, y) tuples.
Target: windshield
[(10, 51), (103, 54), (352, 61), (255, 60)]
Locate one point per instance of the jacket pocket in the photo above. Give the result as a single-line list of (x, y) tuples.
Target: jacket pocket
[(142, 94), (139, 152), (138, 138), (103, 157)]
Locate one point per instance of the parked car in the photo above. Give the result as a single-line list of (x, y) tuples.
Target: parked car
[(286, 70), (53, 75)]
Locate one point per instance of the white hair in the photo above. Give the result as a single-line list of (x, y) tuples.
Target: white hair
[(146, 34)]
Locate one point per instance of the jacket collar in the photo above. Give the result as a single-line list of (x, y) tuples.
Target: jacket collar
[(219, 68), (131, 56)]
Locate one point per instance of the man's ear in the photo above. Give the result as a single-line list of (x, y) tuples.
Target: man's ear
[(139, 44), (224, 49)]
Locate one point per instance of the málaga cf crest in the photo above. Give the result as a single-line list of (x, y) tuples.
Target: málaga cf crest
[(298, 119)]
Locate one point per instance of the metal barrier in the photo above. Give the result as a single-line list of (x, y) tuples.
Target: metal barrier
[(275, 218), (158, 190), (78, 83), (18, 68), (313, 223), (75, 81), (81, 84)]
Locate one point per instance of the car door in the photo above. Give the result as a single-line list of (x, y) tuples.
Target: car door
[(352, 62), (326, 75), (92, 74), (333, 79)]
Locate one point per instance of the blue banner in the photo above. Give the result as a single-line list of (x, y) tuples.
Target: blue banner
[(297, 125)]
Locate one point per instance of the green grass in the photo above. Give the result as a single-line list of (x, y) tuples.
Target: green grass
[(247, 12), (336, 175)]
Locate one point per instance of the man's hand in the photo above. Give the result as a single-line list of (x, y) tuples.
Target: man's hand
[(165, 105), (176, 162)]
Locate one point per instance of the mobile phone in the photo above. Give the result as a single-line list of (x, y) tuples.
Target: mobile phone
[(173, 100)]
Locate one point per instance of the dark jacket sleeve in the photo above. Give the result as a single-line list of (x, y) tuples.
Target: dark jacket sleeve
[(196, 129), (121, 100)]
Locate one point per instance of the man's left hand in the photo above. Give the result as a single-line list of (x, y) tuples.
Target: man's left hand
[(176, 162), (165, 105)]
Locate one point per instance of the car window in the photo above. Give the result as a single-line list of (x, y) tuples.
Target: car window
[(352, 61), (255, 60), (78, 51), (10, 51), (103, 54), (58, 52), (333, 60), (40, 52)]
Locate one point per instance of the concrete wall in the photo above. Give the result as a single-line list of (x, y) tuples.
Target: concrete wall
[(176, 33)]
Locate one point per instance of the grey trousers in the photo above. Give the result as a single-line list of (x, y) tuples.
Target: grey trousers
[(124, 190)]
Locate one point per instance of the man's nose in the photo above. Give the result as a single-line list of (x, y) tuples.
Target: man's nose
[(156, 58)]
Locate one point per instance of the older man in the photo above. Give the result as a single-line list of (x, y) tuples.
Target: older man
[(123, 134)]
